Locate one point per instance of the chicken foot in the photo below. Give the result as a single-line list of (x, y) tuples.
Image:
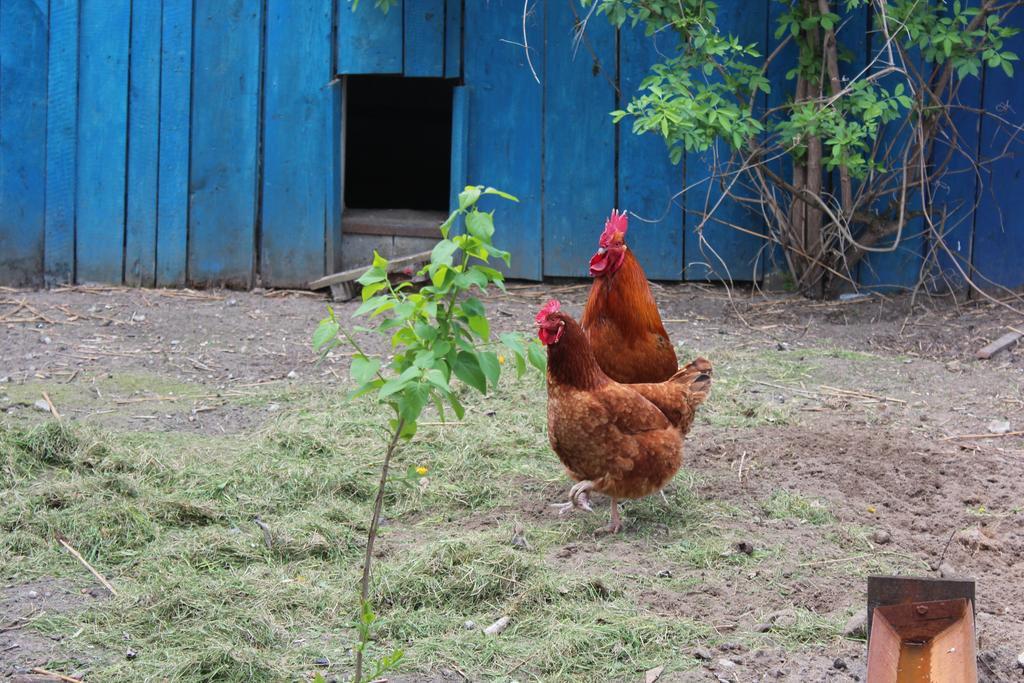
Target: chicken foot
[(579, 497), (615, 526)]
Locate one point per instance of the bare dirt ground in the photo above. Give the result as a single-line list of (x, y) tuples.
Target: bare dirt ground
[(878, 408)]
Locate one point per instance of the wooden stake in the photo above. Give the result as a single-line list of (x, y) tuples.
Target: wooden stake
[(54, 674), (53, 408), (106, 584), (1004, 342), (980, 436)]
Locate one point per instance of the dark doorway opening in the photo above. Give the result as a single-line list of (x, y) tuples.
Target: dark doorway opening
[(398, 142)]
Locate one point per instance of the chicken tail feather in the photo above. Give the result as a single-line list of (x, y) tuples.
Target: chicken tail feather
[(696, 376)]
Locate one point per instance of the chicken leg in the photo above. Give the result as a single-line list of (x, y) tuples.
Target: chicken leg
[(578, 498), (615, 526)]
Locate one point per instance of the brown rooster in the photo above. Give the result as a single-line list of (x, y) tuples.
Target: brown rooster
[(621, 318), (623, 440)]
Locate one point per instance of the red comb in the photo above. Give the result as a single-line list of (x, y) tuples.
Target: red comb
[(550, 307), (617, 222)]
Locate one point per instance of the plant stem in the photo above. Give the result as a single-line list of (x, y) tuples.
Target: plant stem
[(378, 504)]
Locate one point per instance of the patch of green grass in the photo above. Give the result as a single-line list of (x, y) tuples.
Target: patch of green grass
[(785, 504), (738, 399), (168, 517), (844, 354), (807, 628)]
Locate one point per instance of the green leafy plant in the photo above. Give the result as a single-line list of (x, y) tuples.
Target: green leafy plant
[(438, 333), (382, 5), (876, 126)]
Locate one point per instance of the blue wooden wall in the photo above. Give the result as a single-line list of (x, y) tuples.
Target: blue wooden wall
[(174, 142)]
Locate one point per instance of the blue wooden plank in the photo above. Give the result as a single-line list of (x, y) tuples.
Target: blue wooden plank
[(424, 37), (579, 139), (460, 144), (782, 91), (649, 184), (61, 127), (225, 112), (453, 39), (954, 193), (715, 249), (505, 123), (369, 41), (898, 266), (175, 108), (102, 130), (143, 143), (999, 226), (298, 64), (334, 177), (23, 56)]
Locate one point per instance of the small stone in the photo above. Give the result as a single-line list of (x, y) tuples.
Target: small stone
[(976, 539), (763, 627), (946, 570), (665, 574), (857, 625), (322, 661), (175, 342), (782, 346), (745, 547), (999, 426), (130, 654), (232, 302), (703, 654), (273, 406), (726, 663), (469, 625), (139, 317), (292, 374), (33, 594), (5, 379), (41, 406), (784, 618), (881, 537), (46, 340), (839, 663)]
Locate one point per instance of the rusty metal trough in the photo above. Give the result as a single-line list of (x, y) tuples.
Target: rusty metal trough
[(921, 631)]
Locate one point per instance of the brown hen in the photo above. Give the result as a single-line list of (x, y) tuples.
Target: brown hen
[(621, 319), (625, 441)]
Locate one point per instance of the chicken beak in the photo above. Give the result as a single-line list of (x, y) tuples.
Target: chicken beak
[(601, 250)]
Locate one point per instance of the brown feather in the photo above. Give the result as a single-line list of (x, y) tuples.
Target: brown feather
[(627, 440), (625, 329)]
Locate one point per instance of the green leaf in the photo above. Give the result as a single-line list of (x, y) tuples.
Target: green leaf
[(479, 324), (379, 262), (436, 377), (325, 332), (364, 369), (373, 275), (468, 197), (456, 406), (370, 304), (513, 341), (372, 288), (442, 252), (396, 384), (411, 402), (1007, 67), (473, 306), (538, 358), (490, 366), (467, 369), (504, 195), (441, 348), (480, 224)]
